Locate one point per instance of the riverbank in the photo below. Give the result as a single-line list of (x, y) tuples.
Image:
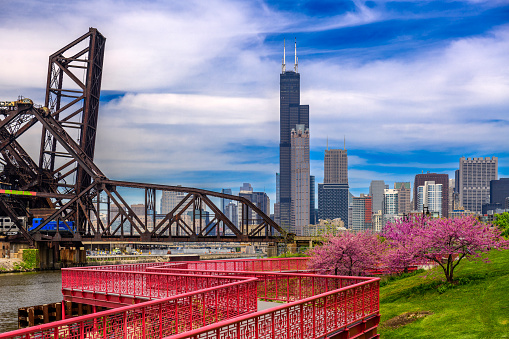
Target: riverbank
[(10, 265)]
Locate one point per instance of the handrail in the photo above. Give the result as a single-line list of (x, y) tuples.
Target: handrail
[(214, 303)]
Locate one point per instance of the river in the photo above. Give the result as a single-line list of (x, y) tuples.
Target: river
[(26, 289)]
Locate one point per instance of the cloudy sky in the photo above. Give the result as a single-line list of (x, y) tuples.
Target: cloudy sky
[(190, 88)]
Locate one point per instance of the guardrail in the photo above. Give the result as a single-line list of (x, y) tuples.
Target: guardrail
[(275, 286), (155, 318), (322, 315), (273, 265), (216, 303)]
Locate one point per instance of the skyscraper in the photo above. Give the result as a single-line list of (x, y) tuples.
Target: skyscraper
[(361, 213), (475, 175), (376, 190), (291, 114), (225, 202), (333, 193), (312, 209), (429, 195), (260, 199), (438, 178), (404, 195), (169, 200), (499, 191), (300, 206), (335, 168)]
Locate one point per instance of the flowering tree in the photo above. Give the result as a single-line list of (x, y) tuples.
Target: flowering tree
[(502, 221), (443, 241), (347, 254)]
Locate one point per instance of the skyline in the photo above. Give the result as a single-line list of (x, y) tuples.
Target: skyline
[(191, 89)]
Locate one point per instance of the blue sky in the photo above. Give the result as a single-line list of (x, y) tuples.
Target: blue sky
[(190, 88)]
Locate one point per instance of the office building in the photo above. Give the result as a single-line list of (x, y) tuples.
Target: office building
[(376, 190), (404, 196), (313, 215), (291, 114), (224, 201), (437, 178), (362, 213), (259, 199), (475, 175), (300, 188), (333, 202), (170, 199), (333, 195), (499, 191), (429, 198), (335, 165), (390, 206)]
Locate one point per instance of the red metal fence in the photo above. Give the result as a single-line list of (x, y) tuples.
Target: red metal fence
[(214, 303)]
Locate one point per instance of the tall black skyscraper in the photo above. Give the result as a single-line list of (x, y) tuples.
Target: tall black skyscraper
[(291, 113)]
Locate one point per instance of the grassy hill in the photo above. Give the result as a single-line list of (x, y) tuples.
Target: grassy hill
[(477, 307)]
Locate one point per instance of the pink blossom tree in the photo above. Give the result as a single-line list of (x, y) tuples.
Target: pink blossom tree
[(347, 253), (445, 242)]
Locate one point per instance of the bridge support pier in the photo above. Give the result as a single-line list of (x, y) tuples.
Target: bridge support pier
[(55, 255)]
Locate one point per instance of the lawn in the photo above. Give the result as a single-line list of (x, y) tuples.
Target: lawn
[(477, 307)]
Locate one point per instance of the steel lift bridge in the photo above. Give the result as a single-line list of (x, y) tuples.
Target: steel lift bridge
[(66, 186)]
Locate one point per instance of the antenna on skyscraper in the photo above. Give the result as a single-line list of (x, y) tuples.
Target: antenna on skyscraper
[(344, 142), (283, 66), (296, 67), (327, 143)]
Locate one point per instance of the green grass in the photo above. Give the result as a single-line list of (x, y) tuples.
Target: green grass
[(476, 307)]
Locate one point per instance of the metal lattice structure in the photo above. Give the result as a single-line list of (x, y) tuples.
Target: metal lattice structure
[(68, 188), (184, 300)]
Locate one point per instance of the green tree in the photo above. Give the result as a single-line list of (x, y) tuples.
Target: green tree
[(502, 222)]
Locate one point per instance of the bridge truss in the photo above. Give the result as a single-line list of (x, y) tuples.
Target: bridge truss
[(66, 185)]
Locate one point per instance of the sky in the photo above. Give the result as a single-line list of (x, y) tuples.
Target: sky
[(190, 89)]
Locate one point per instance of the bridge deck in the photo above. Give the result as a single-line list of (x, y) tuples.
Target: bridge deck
[(215, 299)]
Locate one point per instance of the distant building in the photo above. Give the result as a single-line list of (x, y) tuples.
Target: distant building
[(313, 215), (404, 196), (475, 175), (362, 213), (376, 190), (335, 166), (499, 191), (260, 199), (138, 209), (429, 197), (300, 185), (390, 206), (291, 113), (333, 202), (277, 214), (225, 202), (333, 195), (170, 199), (438, 178), (231, 213), (377, 221)]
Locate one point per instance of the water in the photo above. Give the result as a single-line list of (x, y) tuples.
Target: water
[(26, 289)]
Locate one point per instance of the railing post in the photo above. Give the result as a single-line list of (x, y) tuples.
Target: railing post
[(125, 325), (143, 322), (160, 320)]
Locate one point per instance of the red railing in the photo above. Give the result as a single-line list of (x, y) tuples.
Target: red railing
[(155, 318), (314, 317), (138, 284), (273, 265), (214, 302), (276, 286)]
